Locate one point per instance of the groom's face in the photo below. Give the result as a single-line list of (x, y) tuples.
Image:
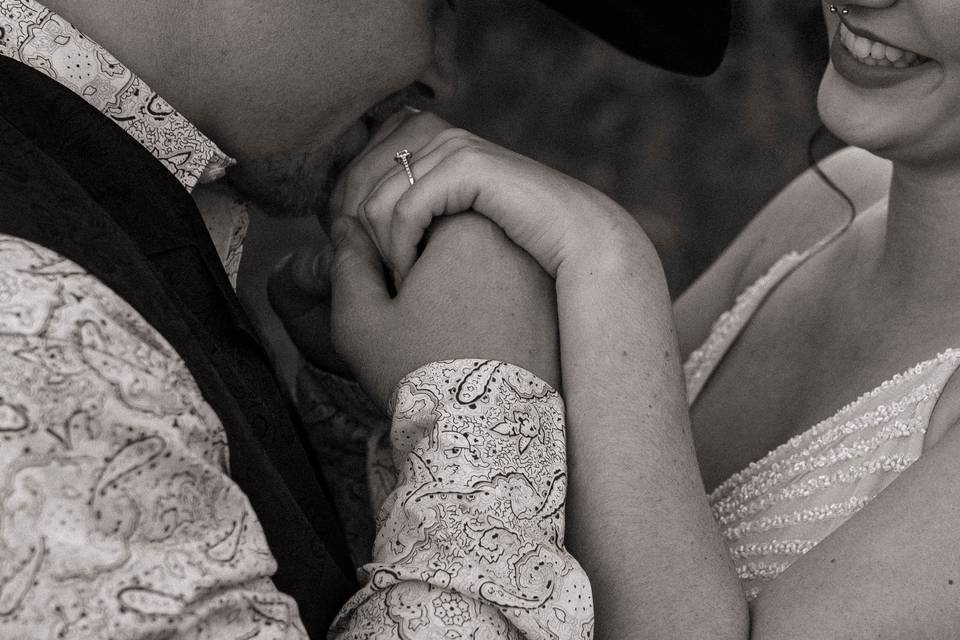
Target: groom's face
[(302, 82)]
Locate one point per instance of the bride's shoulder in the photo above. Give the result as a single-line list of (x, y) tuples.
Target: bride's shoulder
[(809, 209), (805, 211)]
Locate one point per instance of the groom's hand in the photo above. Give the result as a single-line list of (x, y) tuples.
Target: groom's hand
[(472, 293), (299, 293)]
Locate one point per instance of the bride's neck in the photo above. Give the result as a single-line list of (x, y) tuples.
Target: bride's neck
[(921, 251)]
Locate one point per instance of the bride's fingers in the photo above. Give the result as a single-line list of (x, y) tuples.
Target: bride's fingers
[(452, 186), (377, 211), (406, 231), (520, 196), (444, 142), (378, 164), (403, 131)]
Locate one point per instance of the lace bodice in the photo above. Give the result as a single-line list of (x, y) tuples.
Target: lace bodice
[(782, 505)]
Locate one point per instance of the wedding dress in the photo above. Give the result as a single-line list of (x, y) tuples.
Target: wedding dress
[(781, 506)]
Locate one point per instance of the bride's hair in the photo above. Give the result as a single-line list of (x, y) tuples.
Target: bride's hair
[(823, 134)]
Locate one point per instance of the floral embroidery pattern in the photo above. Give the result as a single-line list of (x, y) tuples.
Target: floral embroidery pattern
[(451, 609), (43, 40), (118, 518)]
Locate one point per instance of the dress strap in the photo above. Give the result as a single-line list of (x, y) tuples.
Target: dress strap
[(701, 364)]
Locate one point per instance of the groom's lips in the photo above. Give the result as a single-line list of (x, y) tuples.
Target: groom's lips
[(357, 136), (382, 111), (353, 141)]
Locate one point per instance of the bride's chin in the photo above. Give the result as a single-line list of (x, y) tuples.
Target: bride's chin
[(852, 121), (914, 132)]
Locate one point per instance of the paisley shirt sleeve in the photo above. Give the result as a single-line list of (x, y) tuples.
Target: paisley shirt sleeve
[(118, 518), (470, 542)]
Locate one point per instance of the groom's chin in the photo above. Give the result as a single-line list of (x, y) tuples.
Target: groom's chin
[(299, 182)]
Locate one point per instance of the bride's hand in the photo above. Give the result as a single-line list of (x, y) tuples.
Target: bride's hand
[(473, 293), (550, 215)]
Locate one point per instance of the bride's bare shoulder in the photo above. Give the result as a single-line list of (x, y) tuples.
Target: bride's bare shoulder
[(808, 209), (803, 212)]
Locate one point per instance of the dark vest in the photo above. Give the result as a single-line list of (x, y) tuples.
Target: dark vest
[(73, 181)]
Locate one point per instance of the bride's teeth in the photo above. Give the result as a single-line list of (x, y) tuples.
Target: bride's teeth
[(876, 53)]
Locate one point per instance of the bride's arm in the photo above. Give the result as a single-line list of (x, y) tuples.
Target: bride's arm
[(640, 523), (638, 519)]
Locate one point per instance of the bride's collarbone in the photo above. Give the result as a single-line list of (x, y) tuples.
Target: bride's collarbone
[(805, 354)]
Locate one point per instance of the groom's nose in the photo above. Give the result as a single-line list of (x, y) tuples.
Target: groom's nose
[(439, 81)]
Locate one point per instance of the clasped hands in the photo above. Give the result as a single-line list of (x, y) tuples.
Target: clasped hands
[(483, 285)]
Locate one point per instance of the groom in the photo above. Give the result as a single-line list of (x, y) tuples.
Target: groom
[(154, 480)]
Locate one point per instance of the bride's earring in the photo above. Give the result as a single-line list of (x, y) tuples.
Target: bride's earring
[(843, 10)]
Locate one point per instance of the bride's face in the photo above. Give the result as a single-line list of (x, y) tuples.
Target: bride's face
[(893, 82)]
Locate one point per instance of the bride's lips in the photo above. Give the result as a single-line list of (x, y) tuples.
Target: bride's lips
[(873, 76)]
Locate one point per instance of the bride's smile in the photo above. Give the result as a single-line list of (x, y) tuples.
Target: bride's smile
[(893, 83), (872, 51)]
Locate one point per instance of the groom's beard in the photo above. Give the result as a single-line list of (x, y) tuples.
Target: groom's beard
[(297, 182)]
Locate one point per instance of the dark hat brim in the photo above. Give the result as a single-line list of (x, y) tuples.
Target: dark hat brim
[(687, 37)]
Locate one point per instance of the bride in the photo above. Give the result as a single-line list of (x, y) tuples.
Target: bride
[(797, 475)]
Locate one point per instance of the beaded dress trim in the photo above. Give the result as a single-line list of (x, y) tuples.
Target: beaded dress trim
[(781, 506)]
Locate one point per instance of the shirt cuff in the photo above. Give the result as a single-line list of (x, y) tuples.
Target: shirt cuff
[(471, 540)]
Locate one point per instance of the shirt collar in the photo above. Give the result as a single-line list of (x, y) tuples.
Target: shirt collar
[(45, 41)]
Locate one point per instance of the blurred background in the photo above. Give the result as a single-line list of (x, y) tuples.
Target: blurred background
[(693, 159)]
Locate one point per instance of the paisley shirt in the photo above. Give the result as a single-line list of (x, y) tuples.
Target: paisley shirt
[(118, 517), (46, 42)]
